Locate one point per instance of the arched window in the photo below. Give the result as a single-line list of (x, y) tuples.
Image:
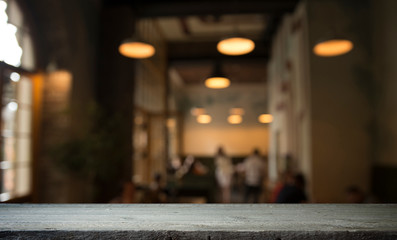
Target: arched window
[(16, 87), (15, 39)]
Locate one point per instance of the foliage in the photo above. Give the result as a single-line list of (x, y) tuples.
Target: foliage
[(99, 155)]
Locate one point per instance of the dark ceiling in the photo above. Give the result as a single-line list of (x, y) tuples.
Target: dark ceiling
[(247, 71), (193, 56), (162, 8)]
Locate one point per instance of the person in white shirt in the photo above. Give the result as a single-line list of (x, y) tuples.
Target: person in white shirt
[(254, 168), (224, 173)]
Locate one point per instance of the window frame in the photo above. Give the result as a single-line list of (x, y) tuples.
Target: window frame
[(31, 165)]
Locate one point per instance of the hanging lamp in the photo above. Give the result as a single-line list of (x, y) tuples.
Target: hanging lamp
[(235, 119), (236, 115), (235, 46), (332, 44), (204, 119), (136, 48), (217, 80), (265, 118), (333, 47)]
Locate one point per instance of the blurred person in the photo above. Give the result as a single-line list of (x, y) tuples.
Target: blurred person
[(254, 169), (281, 181), (293, 191), (224, 173)]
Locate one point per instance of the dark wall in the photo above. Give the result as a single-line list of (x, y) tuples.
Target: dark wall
[(115, 94), (384, 131), (87, 156), (384, 182), (65, 35)]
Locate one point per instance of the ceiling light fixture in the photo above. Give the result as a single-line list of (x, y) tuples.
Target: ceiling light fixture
[(217, 82), (217, 79), (235, 119), (134, 48), (332, 45), (235, 46), (265, 118), (204, 119)]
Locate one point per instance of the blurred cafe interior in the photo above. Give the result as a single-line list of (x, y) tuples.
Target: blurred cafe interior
[(129, 101)]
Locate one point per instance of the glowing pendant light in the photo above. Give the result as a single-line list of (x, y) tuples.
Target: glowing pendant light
[(134, 48), (265, 118), (217, 80), (235, 119), (235, 46), (333, 47), (204, 119)]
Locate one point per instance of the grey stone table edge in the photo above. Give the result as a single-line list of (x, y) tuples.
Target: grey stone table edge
[(200, 219), (207, 235)]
